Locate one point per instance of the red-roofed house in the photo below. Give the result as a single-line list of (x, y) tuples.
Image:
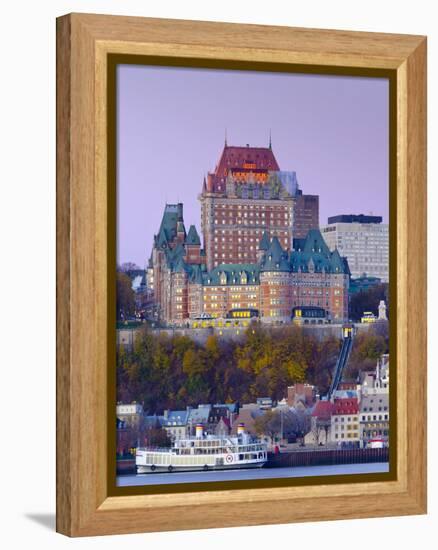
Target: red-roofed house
[(345, 421)]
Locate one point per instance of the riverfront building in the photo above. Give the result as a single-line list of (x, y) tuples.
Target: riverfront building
[(345, 420), (363, 240), (374, 403)]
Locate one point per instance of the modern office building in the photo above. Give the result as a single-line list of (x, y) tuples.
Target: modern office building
[(363, 240)]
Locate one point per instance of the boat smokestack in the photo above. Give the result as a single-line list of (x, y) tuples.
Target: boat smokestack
[(199, 431), (240, 428)]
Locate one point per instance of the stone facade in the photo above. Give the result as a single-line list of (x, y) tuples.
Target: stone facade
[(256, 260), (269, 288), (248, 194)]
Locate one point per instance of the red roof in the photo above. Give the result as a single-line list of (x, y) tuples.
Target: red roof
[(238, 157), (346, 405), (323, 409)]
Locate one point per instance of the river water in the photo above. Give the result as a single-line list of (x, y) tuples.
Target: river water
[(258, 473)]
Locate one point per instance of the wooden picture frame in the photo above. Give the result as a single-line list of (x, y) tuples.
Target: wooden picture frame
[(84, 229)]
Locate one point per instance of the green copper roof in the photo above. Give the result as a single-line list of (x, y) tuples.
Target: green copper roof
[(195, 273), (313, 254), (264, 242), (314, 242), (193, 237), (173, 213), (275, 258), (174, 256), (229, 274)]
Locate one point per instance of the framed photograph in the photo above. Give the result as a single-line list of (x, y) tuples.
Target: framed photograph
[(241, 281)]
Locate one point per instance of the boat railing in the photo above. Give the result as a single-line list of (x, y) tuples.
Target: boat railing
[(156, 449)]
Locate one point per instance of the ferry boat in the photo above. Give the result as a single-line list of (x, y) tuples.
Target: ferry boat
[(204, 452)]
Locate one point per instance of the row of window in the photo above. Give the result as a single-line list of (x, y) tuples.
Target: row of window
[(349, 419), (370, 417), (346, 427), (249, 207)]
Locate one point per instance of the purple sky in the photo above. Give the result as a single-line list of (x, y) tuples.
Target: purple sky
[(332, 130)]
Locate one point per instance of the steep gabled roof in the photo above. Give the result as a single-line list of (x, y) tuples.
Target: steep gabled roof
[(313, 254), (347, 405), (234, 274), (195, 273), (264, 241), (173, 213), (176, 418), (275, 258), (175, 257), (315, 242), (338, 263), (193, 237), (237, 157)]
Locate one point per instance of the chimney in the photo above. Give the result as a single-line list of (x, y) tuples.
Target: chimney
[(240, 428), (199, 431)]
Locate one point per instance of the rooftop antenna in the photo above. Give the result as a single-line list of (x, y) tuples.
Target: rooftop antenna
[(270, 139), (226, 144)]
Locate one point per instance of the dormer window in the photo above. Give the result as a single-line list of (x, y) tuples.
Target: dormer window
[(243, 278), (223, 278)]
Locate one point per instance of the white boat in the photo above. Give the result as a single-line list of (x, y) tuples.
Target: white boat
[(204, 452)]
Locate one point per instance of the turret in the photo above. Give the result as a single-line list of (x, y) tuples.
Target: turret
[(180, 231), (193, 246), (263, 246)]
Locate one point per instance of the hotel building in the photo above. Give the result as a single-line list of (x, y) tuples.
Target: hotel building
[(276, 282), (246, 195)]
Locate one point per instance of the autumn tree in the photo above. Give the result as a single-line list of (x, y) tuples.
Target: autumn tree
[(173, 372), (156, 436)]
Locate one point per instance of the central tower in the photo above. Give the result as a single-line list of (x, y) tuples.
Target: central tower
[(245, 196)]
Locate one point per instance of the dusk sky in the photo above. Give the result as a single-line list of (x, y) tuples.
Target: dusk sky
[(331, 130)]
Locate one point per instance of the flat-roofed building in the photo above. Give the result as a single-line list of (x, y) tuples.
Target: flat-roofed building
[(363, 240)]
